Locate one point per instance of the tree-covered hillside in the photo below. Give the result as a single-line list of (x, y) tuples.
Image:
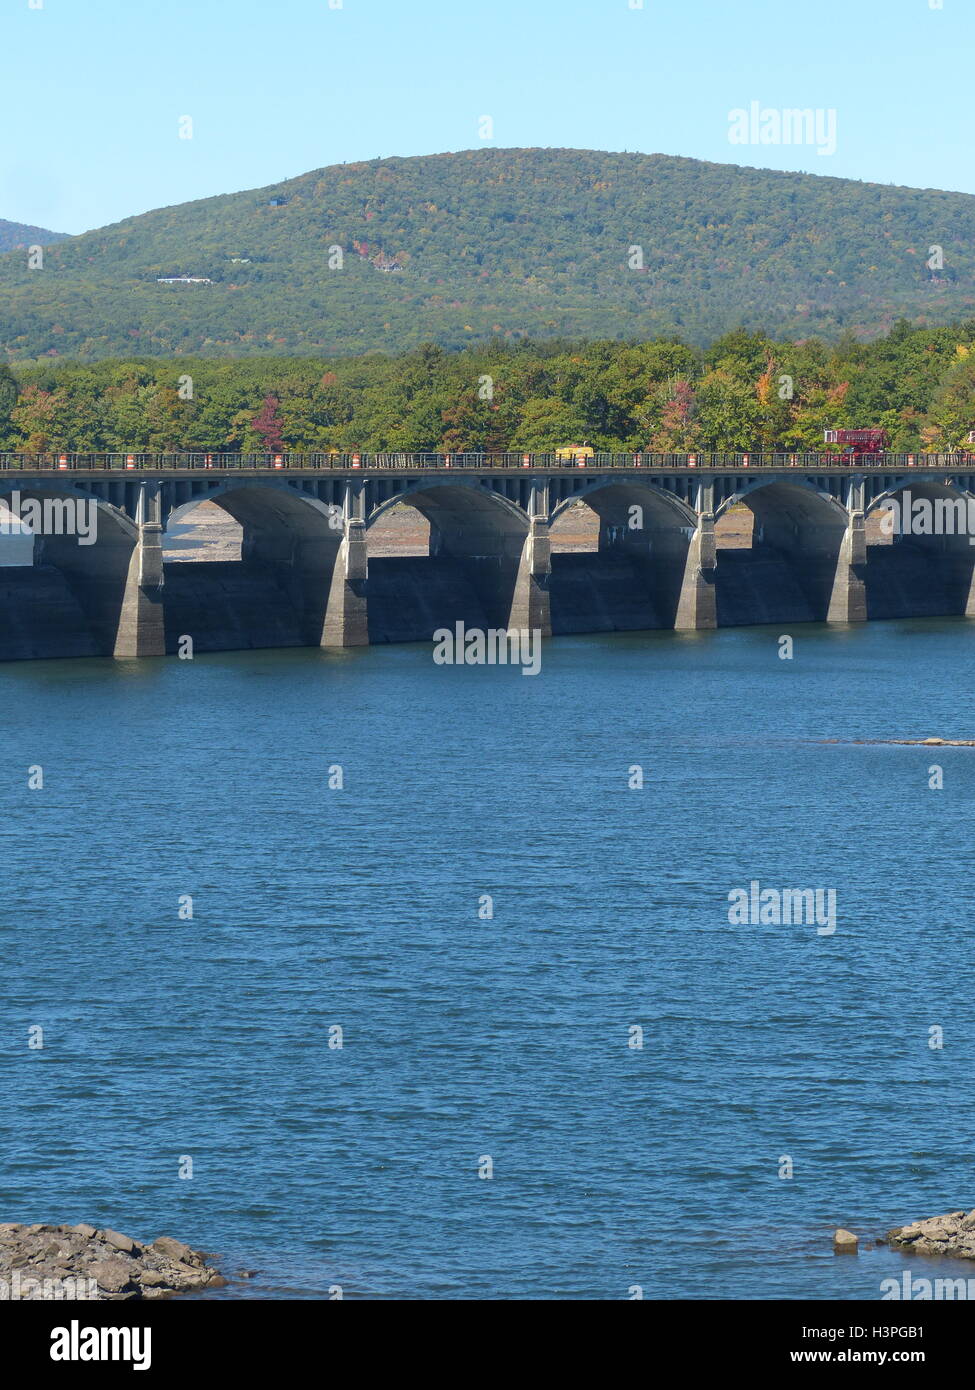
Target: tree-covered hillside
[(490, 243), (744, 391), (19, 234)]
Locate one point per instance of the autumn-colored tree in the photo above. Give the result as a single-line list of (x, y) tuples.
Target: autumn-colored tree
[(774, 391), (677, 430), (35, 417), (474, 424), (268, 425)]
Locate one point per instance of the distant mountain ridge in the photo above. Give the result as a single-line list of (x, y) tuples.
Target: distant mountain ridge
[(20, 234), (457, 248)]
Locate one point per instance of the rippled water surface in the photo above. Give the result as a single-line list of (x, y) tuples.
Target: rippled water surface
[(464, 1037)]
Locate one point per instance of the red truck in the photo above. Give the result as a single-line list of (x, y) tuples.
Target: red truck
[(853, 443)]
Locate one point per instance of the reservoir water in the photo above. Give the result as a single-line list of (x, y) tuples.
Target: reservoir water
[(765, 1048)]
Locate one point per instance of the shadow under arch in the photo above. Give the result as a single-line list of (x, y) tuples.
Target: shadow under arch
[(277, 593), (472, 573), (652, 567), (804, 563), (70, 600), (922, 562)]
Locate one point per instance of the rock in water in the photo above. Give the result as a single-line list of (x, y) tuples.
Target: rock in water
[(845, 1242), (953, 1234), (81, 1262), (176, 1250)]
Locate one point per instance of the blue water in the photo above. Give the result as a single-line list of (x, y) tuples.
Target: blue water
[(464, 1037)]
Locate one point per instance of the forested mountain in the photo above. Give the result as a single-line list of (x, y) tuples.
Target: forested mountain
[(744, 391), (14, 235), (492, 243)]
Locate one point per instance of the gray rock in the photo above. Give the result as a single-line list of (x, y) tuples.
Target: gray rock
[(119, 1242), (186, 1276), (175, 1250), (112, 1275)]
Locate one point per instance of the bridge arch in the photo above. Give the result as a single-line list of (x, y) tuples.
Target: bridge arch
[(929, 489), (792, 499), (923, 563), (448, 502), (279, 592), (268, 504), (608, 496), (84, 550), (803, 563), (28, 490), (650, 568), (473, 571)]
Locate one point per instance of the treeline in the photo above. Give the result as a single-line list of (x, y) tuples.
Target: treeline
[(745, 391)]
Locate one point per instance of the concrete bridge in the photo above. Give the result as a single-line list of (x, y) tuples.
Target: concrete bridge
[(306, 575)]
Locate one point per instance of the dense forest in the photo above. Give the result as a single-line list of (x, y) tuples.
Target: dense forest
[(19, 234), (492, 244), (744, 391)]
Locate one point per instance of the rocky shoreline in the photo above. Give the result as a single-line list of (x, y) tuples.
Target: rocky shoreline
[(952, 1235), (86, 1262)]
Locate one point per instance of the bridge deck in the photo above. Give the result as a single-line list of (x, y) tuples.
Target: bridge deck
[(174, 465)]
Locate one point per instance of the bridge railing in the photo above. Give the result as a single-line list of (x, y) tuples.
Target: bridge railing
[(512, 461)]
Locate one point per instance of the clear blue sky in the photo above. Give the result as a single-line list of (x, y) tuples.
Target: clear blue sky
[(94, 89)]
